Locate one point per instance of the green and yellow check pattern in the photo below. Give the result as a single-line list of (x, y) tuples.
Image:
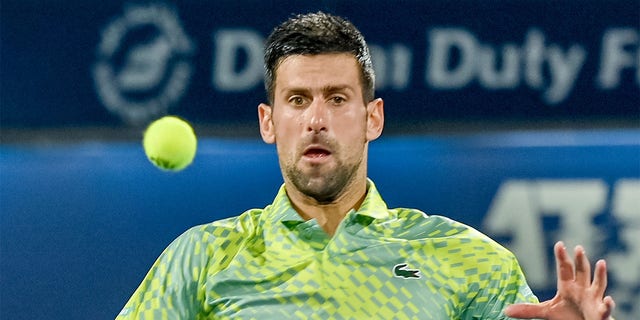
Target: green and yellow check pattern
[(270, 264)]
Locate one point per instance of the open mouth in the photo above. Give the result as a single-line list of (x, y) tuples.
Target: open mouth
[(316, 152)]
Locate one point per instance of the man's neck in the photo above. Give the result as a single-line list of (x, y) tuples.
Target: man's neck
[(329, 215)]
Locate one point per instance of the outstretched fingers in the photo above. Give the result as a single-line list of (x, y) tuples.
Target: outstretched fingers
[(564, 264), (599, 284), (578, 296), (583, 268)]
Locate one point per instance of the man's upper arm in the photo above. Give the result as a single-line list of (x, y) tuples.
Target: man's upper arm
[(505, 286), (170, 288)]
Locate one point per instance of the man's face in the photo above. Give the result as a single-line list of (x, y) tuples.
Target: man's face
[(320, 123)]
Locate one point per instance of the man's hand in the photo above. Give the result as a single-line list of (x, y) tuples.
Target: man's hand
[(577, 298)]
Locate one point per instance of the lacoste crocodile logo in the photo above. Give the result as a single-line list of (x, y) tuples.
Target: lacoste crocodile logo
[(401, 271)]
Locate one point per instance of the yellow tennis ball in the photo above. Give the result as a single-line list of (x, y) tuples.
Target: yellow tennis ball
[(170, 143)]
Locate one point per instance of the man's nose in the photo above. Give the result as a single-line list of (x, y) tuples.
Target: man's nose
[(317, 116)]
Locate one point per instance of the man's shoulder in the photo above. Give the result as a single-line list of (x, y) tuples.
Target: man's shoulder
[(447, 233), (431, 226), (224, 230)]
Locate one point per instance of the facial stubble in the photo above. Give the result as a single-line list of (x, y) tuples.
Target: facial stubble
[(324, 186)]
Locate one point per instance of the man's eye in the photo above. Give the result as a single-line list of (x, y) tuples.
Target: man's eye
[(296, 101), (338, 100)]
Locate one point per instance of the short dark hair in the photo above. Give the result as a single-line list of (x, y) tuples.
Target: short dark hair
[(312, 34)]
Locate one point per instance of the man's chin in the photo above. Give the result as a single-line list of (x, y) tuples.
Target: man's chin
[(320, 189), (324, 183), (323, 199)]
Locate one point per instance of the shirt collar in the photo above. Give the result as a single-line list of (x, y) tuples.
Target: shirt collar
[(373, 206)]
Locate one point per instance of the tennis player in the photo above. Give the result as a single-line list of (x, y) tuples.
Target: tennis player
[(328, 247)]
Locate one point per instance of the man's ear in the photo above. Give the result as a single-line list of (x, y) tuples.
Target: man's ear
[(266, 123), (375, 119)]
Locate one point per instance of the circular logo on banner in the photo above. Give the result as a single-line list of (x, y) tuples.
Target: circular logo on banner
[(143, 66)]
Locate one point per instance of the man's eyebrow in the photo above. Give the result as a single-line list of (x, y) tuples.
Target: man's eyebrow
[(294, 90), (337, 88), (325, 90)]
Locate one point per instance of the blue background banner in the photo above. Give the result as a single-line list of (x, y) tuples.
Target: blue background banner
[(124, 63)]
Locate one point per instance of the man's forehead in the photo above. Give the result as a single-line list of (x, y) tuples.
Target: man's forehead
[(323, 58), (326, 72)]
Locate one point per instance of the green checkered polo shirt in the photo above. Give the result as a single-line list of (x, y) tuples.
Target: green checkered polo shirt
[(380, 264)]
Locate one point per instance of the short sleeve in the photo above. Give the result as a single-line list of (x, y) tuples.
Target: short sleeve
[(171, 289), (506, 286)]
